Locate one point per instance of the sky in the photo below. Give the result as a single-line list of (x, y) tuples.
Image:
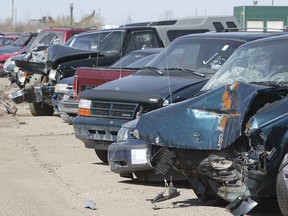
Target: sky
[(116, 12)]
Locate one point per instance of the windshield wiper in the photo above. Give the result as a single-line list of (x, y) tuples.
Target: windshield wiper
[(268, 83), (187, 70), (154, 69)]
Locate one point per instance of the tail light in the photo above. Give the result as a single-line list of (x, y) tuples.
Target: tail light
[(75, 86)]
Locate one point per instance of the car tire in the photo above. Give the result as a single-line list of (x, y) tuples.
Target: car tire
[(282, 193), (41, 109), (102, 155)]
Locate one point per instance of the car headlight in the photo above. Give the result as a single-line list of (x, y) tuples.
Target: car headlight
[(123, 134), (84, 107), (126, 133), (60, 87), (21, 75), (8, 64)]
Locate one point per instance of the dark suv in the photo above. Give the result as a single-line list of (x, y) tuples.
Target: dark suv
[(175, 75)]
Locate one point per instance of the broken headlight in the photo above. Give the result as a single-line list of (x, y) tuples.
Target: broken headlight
[(123, 134), (126, 133)]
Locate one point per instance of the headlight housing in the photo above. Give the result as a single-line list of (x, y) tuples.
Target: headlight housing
[(84, 107), (8, 65), (123, 134)]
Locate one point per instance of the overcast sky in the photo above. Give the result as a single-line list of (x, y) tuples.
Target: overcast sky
[(116, 11)]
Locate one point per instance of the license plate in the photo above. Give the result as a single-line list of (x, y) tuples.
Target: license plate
[(139, 156)]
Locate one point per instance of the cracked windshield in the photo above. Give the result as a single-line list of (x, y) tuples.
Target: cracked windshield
[(265, 64)]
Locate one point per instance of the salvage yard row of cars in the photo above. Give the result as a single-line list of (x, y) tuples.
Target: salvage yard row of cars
[(200, 101)]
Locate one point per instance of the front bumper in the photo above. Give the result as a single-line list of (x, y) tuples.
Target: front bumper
[(33, 94), (68, 110), (97, 133), (68, 106), (129, 156)]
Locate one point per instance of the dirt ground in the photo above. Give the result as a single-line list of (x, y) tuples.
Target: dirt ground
[(45, 170)]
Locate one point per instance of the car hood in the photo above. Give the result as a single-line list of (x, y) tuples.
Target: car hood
[(41, 59), (57, 52), (141, 88), (212, 120)]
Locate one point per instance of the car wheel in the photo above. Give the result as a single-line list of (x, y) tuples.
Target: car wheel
[(102, 155), (41, 109), (282, 193)]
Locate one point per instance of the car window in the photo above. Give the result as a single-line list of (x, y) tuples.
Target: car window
[(102, 41), (265, 62), (129, 58), (6, 41), (141, 39), (200, 55), (21, 40), (48, 38)]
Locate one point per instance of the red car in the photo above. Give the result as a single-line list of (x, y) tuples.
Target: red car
[(8, 39)]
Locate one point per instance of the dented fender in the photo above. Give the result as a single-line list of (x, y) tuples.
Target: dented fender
[(212, 120)]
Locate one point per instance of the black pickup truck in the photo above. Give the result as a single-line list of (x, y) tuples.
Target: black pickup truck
[(174, 75)]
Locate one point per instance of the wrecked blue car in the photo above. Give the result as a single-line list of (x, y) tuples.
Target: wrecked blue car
[(231, 139)]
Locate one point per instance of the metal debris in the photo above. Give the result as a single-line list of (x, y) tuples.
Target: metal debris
[(90, 204)]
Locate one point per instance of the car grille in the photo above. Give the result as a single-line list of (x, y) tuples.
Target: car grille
[(118, 110)]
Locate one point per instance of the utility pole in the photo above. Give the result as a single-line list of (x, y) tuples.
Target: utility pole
[(71, 15), (12, 14)]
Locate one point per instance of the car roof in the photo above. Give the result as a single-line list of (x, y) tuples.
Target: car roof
[(64, 29), (237, 35), (269, 39), (148, 50)]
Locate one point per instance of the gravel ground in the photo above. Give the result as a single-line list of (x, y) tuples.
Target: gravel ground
[(45, 170)]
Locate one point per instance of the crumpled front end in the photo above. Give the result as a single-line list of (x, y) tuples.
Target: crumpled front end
[(209, 121), (230, 149)]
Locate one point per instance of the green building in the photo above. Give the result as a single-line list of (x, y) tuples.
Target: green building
[(258, 17)]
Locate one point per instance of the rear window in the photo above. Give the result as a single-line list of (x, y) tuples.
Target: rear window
[(218, 26), (173, 34)]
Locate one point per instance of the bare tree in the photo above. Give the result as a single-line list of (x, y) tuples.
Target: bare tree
[(167, 14)]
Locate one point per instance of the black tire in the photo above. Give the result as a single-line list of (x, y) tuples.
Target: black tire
[(41, 109), (282, 193), (102, 155)]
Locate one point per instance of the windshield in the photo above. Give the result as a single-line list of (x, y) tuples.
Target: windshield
[(21, 40), (46, 38), (104, 41), (6, 41), (130, 58), (256, 63), (205, 55)]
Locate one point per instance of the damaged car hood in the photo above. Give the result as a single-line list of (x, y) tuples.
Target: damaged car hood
[(138, 88), (61, 53), (41, 59), (212, 120)]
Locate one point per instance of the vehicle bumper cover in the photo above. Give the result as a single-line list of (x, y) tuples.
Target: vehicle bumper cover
[(96, 131), (129, 156), (68, 106)]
